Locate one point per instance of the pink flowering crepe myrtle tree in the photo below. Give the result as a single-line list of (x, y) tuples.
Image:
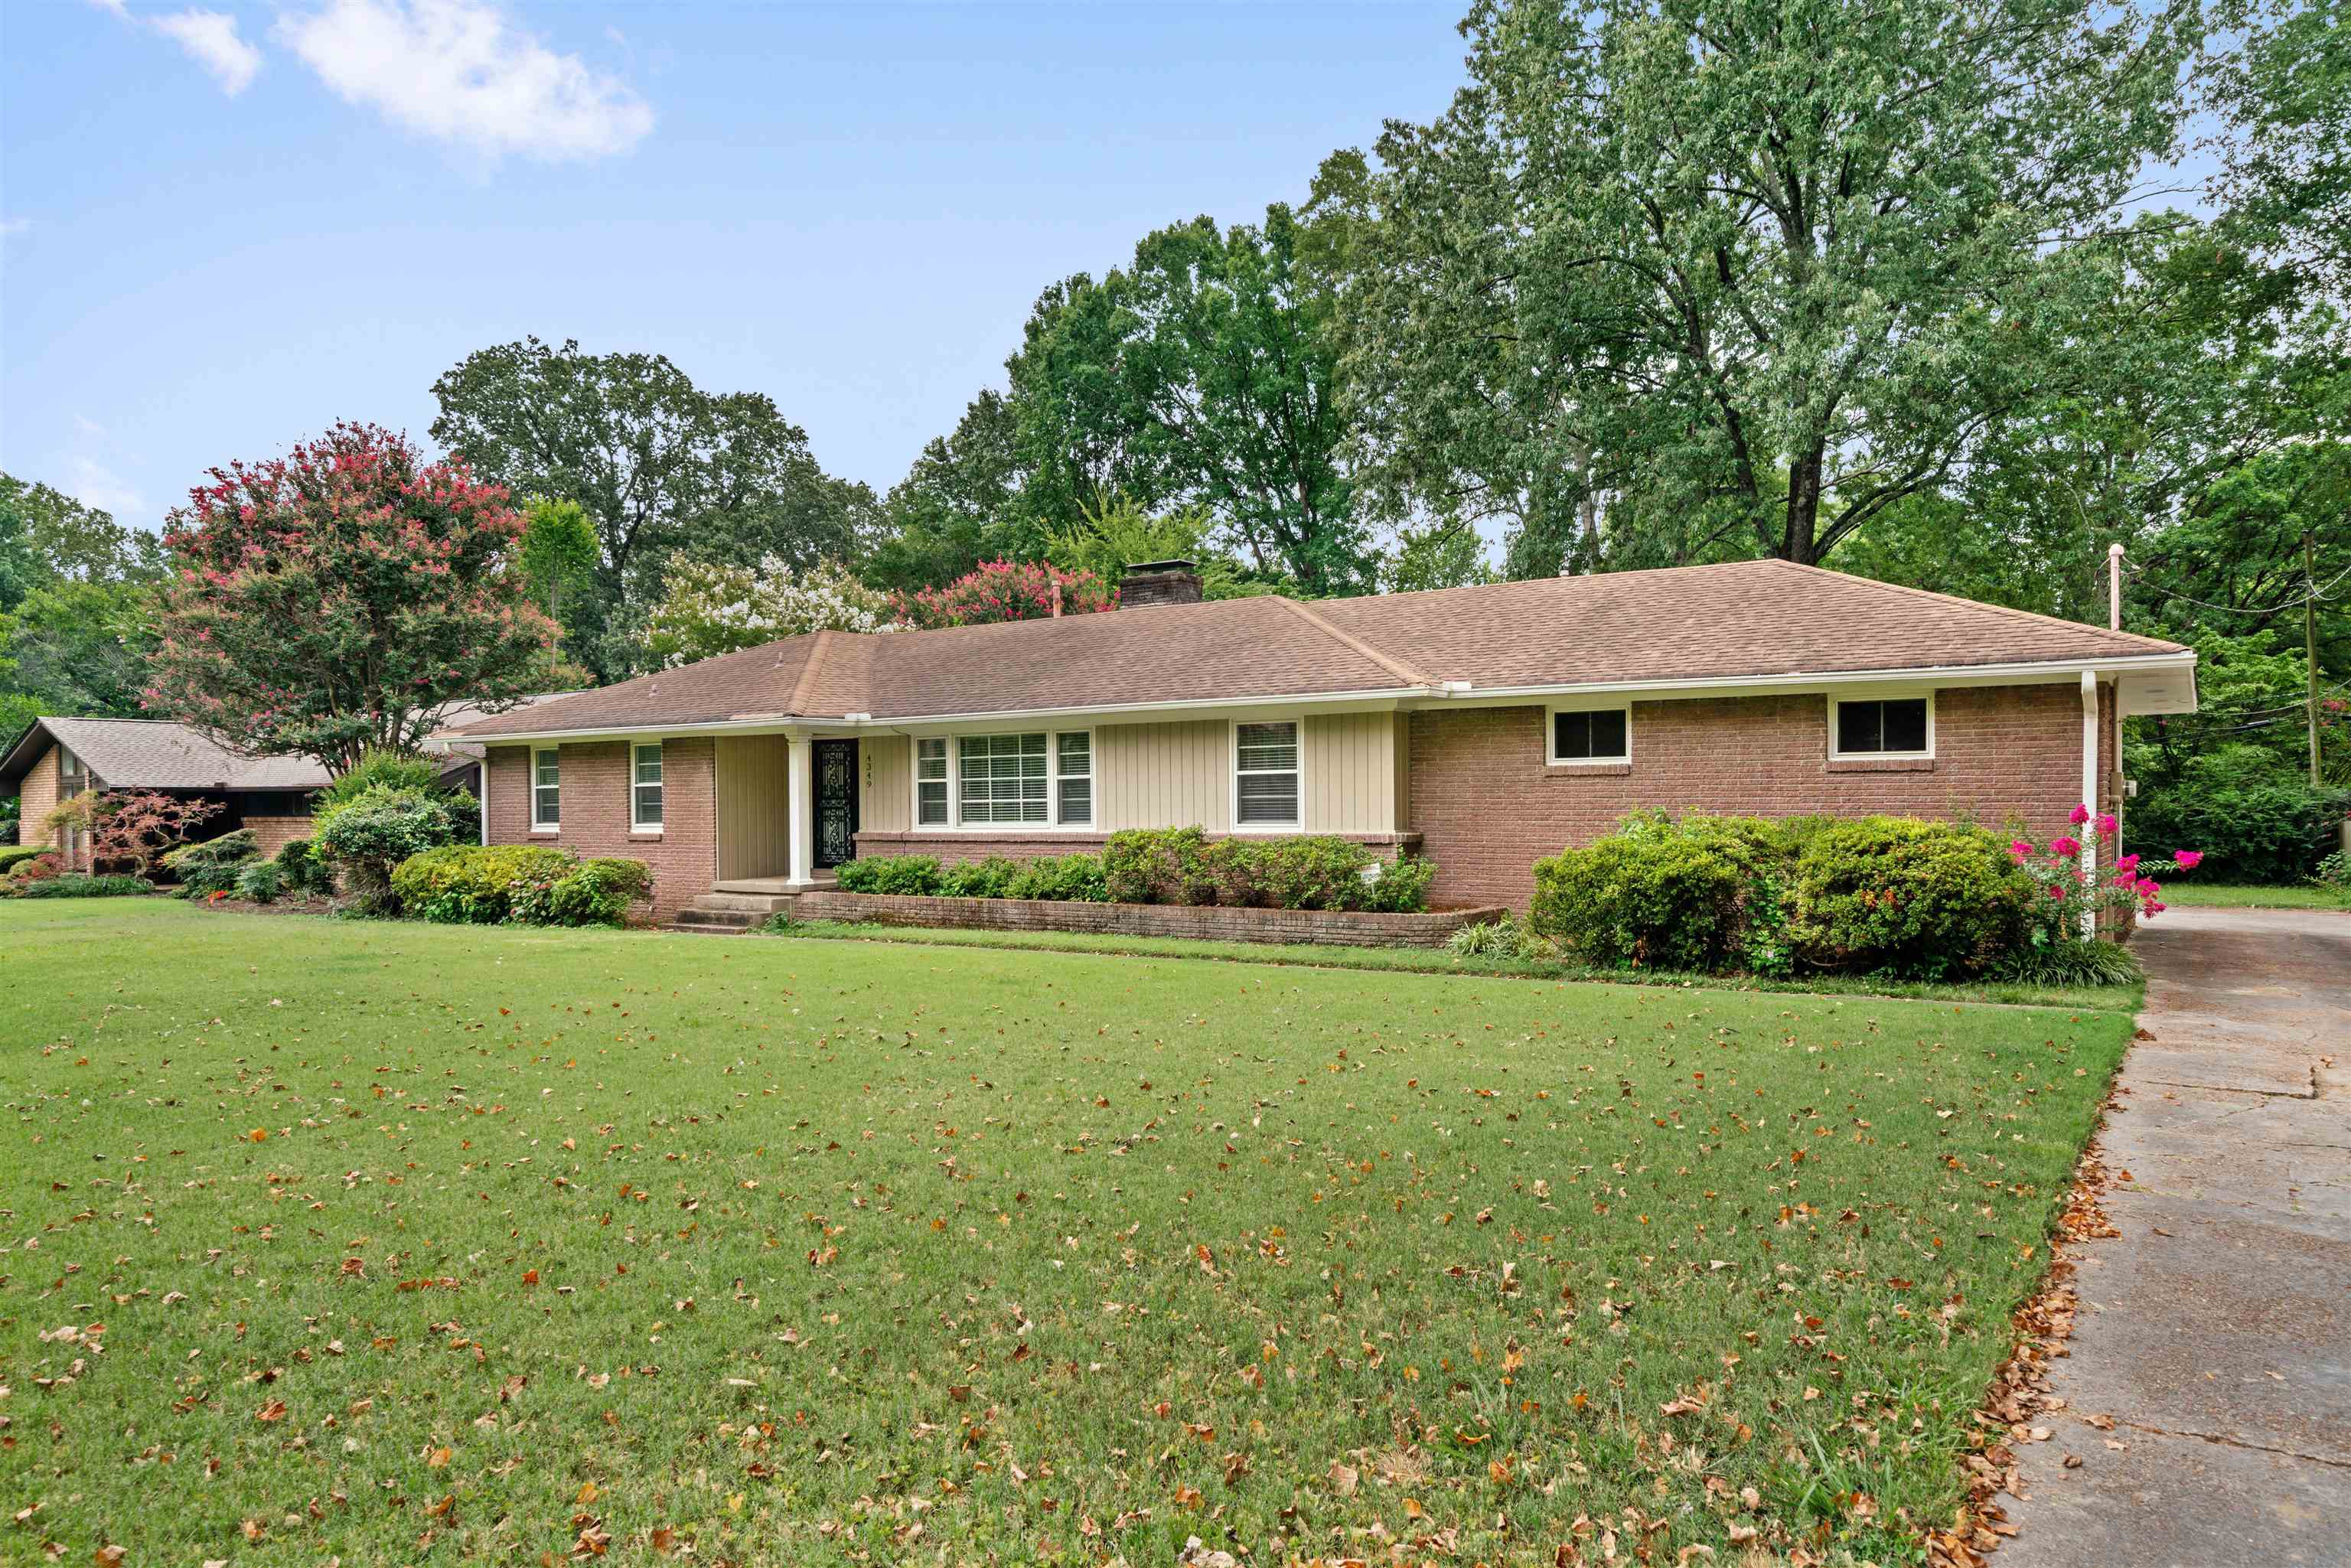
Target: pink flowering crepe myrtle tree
[(2074, 898), (334, 599), (1006, 590)]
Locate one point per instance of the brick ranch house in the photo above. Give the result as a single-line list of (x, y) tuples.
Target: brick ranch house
[(1483, 727), (56, 758)]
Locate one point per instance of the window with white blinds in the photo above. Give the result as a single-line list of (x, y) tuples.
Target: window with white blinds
[(931, 781), (1265, 775), (1003, 779)]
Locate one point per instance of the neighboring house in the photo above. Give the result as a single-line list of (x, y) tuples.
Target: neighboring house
[(1482, 726), (56, 758)]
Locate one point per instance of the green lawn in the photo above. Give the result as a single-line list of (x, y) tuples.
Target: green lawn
[(2227, 895), (409, 1244)]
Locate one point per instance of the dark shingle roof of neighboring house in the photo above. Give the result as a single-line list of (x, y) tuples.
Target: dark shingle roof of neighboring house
[(160, 754), (1689, 625), (156, 753)]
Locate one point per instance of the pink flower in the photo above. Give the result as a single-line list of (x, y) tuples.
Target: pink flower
[(2107, 824), (2147, 887), (2153, 908), (2080, 815), (2056, 890), (2064, 846), (2021, 849), (2128, 863), (2189, 860)]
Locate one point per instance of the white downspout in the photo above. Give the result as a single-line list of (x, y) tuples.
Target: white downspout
[(2090, 793), (489, 754)]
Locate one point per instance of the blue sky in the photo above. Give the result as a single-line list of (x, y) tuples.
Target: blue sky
[(224, 224)]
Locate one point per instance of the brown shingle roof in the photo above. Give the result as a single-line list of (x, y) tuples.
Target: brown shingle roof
[(154, 754), (1700, 623)]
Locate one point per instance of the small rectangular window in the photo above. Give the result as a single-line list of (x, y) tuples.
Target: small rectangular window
[(1002, 778), (546, 789), (1597, 734), (645, 788), (1075, 766), (1890, 728), (931, 782), (1265, 775)]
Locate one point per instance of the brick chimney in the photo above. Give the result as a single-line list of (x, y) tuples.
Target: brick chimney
[(1152, 583)]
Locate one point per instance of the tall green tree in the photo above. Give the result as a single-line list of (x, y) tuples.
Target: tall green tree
[(959, 505), (1205, 373), (2286, 97), (657, 463), (66, 539), (1748, 274)]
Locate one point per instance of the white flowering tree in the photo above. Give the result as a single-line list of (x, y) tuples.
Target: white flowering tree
[(710, 606)]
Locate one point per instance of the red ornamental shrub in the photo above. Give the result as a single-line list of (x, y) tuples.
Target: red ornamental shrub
[(1006, 590), (330, 601), (131, 828)]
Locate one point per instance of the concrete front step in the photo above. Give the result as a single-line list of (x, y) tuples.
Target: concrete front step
[(750, 902), (697, 919)]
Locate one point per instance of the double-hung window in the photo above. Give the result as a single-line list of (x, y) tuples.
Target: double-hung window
[(1004, 780), (645, 788), (931, 781), (545, 790), (1035, 778), (1265, 775), (1074, 769), (1890, 727)]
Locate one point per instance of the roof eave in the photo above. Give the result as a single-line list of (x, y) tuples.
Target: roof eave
[(1447, 694)]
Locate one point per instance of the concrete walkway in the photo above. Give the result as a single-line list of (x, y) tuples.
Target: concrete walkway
[(2216, 1330)]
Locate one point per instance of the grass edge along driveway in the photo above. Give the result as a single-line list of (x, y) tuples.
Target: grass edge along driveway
[(410, 1243)]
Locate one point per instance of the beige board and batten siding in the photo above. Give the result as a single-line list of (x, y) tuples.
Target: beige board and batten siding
[(754, 806), (1352, 782), (887, 785), (1180, 775)]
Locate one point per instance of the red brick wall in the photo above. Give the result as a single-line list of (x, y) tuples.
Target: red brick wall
[(1325, 927), (595, 812), (1487, 806)]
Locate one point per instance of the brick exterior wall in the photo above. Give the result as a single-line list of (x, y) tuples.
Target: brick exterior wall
[(1320, 927), (274, 833), (37, 796), (595, 812), (1487, 806)]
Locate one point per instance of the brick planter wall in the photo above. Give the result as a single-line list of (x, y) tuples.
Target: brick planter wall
[(1321, 927)]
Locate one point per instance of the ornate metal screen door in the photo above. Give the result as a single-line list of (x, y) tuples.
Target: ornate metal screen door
[(836, 801)]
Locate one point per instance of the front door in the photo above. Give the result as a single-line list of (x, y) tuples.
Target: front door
[(836, 802)]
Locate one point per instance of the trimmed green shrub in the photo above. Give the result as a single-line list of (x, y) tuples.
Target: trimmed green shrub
[(1656, 895), (1076, 878), (462, 884), (989, 878), (74, 884), (1916, 900), (260, 881), (14, 855), (2334, 876), (1158, 865), (39, 866), (597, 892), (1402, 886), (368, 835), (212, 866), (378, 769), (300, 869), (917, 876)]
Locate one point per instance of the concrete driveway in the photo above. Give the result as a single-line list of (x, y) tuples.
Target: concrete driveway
[(2216, 1330)]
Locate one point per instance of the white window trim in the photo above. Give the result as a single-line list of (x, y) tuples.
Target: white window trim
[(636, 827), (956, 824), (1551, 759), (1837, 701), (1233, 778), (555, 823)]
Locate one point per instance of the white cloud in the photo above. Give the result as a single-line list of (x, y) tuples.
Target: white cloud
[(210, 38), (462, 72), (93, 484), (114, 6)]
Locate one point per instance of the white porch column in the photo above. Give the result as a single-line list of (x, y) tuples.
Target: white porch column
[(2090, 792), (801, 782)]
